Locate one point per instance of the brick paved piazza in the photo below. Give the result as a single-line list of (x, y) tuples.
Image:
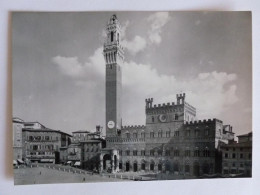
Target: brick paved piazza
[(46, 175), (50, 173)]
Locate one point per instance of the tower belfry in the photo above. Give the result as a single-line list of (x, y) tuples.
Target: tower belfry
[(114, 56)]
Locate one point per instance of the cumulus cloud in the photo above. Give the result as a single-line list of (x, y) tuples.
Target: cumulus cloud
[(139, 43), (134, 46), (70, 66), (157, 20), (212, 93)]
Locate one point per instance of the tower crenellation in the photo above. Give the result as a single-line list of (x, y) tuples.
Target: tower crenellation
[(149, 103), (169, 105), (180, 111), (180, 98)]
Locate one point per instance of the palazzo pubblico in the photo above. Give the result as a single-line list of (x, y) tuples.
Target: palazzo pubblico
[(172, 141)]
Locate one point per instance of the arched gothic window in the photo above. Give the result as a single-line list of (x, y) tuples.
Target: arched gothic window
[(142, 134), (160, 133), (196, 152), (127, 135), (206, 152)]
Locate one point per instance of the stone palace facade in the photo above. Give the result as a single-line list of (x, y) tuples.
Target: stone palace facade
[(171, 141)]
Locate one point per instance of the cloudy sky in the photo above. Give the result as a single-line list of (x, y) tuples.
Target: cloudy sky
[(59, 70)]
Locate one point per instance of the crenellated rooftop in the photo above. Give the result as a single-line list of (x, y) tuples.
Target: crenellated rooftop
[(199, 122), (170, 105), (133, 127), (167, 105)]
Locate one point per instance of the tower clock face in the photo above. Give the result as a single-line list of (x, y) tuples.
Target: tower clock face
[(111, 124), (162, 118)]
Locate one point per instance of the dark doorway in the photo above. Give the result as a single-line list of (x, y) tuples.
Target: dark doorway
[(159, 167), (196, 170), (57, 157), (135, 166), (120, 165), (152, 167), (167, 167), (176, 167), (127, 166), (187, 168), (143, 166), (205, 168), (115, 162), (106, 162)]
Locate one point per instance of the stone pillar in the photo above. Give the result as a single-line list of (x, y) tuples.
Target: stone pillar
[(192, 169), (163, 167), (123, 166), (139, 166), (201, 169), (181, 168), (117, 163), (112, 164), (212, 168), (101, 163), (156, 166)]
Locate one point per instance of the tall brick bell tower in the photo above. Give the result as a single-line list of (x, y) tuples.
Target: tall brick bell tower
[(114, 56)]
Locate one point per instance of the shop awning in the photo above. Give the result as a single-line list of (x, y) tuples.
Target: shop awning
[(20, 161), (77, 163), (14, 162)]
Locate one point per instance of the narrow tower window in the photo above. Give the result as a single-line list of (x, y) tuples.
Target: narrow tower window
[(112, 36)]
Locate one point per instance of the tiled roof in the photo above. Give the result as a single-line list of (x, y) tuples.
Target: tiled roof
[(45, 130), (245, 135), (235, 144), (81, 131)]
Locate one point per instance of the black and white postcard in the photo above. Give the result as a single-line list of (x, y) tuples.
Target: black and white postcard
[(131, 96)]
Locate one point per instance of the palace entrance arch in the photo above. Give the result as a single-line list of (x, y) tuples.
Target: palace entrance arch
[(135, 166), (196, 169), (109, 160), (127, 166)]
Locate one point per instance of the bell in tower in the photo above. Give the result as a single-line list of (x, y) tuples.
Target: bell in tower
[(114, 56)]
